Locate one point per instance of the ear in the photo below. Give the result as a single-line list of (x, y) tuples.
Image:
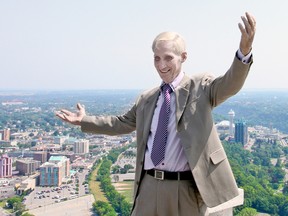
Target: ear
[(183, 56)]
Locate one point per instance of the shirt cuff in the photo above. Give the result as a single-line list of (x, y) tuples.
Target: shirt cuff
[(245, 59)]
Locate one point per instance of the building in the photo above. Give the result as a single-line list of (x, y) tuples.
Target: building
[(231, 114), (222, 127), (28, 184), (46, 147), (64, 161), (54, 171), (68, 154), (60, 140), (5, 166), (241, 132), (40, 156), (50, 174), (27, 166), (5, 134), (36, 155), (81, 147)]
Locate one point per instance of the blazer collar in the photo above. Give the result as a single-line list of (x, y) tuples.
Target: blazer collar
[(148, 111), (182, 94)]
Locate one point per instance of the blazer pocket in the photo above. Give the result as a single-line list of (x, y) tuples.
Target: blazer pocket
[(218, 156)]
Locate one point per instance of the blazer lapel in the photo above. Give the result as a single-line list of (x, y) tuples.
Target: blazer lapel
[(182, 94), (148, 112)]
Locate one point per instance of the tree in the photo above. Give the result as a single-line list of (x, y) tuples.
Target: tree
[(103, 209), (12, 200), (18, 208), (285, 189), (116, 169), (247, 212)]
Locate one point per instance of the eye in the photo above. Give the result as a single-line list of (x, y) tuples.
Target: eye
[(156, 58), (168, 58)]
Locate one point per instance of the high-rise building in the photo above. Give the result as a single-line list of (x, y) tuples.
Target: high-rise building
[(231, 114), (64, 161), (50, 174), (5, 134), (5, 166), (27, 166), (241, 132), (81, 146), (54, 171)]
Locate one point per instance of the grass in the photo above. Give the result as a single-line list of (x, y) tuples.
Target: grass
[(125, 188), (2, 203), (95, 186)]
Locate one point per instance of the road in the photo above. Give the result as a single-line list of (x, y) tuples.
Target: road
[(3, 212)]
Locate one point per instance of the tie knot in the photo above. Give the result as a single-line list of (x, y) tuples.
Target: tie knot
[(166, 87)]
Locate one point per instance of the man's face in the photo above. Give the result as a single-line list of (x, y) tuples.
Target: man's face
[(166, 61)]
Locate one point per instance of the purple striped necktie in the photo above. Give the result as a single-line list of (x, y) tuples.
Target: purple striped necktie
[(160, 139)]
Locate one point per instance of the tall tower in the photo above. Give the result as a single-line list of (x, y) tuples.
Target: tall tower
[(5, 134), (81, 147), (231, 114), (241, 132), (5, 166)]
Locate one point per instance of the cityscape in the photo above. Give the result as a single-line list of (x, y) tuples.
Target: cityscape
[(47, 162), (103, 56)]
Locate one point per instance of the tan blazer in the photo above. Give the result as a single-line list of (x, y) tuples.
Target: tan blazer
[(195, 99)]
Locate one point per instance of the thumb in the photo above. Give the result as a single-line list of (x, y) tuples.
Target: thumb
[(79, 107)]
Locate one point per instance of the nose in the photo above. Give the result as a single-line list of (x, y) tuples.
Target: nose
[(161, 65)]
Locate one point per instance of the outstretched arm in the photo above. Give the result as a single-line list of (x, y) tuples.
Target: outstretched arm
[(247, 33), (70, 117)]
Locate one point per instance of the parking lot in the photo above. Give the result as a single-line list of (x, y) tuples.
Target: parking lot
[(44, 196)]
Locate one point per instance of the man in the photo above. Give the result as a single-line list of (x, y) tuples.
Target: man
[(181, 166)]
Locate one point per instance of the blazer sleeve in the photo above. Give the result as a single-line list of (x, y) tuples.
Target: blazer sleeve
[(221, 88), (110, 125)]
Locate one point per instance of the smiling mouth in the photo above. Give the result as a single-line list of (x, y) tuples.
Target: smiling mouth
[(165, 71)]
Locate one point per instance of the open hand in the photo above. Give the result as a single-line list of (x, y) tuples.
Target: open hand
[(247, 33), (70, 117)]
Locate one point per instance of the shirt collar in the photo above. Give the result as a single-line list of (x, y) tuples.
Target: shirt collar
[(175, 83)]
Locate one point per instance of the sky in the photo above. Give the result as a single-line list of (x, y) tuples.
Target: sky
[(92, 44)]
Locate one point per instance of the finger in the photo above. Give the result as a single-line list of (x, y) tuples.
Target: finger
[(251, 19), (60, 115), (67, 118), (242, 29), (250, 24), (246, 24), (66, 112), (79, 106)]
